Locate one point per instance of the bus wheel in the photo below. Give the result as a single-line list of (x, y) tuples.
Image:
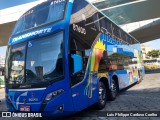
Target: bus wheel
[(102, 96), (139, 77), (113, 91)]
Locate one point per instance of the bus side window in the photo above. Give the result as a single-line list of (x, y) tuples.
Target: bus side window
[(79, 46), (78, 77)]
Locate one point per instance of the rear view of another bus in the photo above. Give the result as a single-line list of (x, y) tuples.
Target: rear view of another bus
[(152, 64)]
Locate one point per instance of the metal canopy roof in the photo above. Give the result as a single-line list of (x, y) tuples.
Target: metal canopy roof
[(128, 11)]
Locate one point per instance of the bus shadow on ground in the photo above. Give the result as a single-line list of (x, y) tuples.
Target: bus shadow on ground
[(151, 93)]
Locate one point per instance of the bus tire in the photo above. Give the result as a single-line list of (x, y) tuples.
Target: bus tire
[(113, 91), (102, 96), (139, 77)]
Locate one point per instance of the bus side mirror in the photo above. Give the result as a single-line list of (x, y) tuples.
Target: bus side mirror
[(77, 63)]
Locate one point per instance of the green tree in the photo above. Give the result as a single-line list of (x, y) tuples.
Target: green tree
[(154, 53)]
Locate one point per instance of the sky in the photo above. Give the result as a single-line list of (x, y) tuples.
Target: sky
[(155, 44), (3, 51), (10, 3)]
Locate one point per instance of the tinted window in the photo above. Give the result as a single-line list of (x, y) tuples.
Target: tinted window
[(44, 13), (78, 5), (41, 60), (16, 62), (44, 59), (79, 47)]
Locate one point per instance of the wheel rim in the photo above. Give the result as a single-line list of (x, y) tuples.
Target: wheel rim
[(114, 89), (102, 95)]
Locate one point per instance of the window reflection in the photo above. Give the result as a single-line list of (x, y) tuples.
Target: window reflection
[(44, 59), (16, 64), (44, 13), (36, 61)]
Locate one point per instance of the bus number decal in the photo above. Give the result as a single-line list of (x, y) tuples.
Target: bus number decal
[(79, 29), (58, 1)]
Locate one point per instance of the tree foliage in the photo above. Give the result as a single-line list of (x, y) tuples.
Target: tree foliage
[(154, 53)]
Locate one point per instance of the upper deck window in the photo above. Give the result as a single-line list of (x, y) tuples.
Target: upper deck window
[(50, 11)]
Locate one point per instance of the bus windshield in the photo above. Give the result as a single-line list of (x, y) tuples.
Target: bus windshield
[(47, 12), (36, 61)]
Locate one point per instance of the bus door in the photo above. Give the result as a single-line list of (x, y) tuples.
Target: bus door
[(78, 84)]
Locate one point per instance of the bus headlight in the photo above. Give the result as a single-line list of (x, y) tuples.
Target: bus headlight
[(53, 94)]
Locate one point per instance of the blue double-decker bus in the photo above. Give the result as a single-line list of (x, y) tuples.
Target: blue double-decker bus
[(65, 55)]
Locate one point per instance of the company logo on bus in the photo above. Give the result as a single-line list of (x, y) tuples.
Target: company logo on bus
[(79, 29), (30, 34), (33, 99)]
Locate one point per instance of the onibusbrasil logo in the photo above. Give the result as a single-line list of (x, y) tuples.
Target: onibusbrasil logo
[(12, 114)]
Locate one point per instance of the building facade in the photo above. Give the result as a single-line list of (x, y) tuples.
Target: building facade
[(145, 50), (2, 61)]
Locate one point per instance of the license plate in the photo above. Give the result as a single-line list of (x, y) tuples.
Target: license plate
[(25, 108)]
